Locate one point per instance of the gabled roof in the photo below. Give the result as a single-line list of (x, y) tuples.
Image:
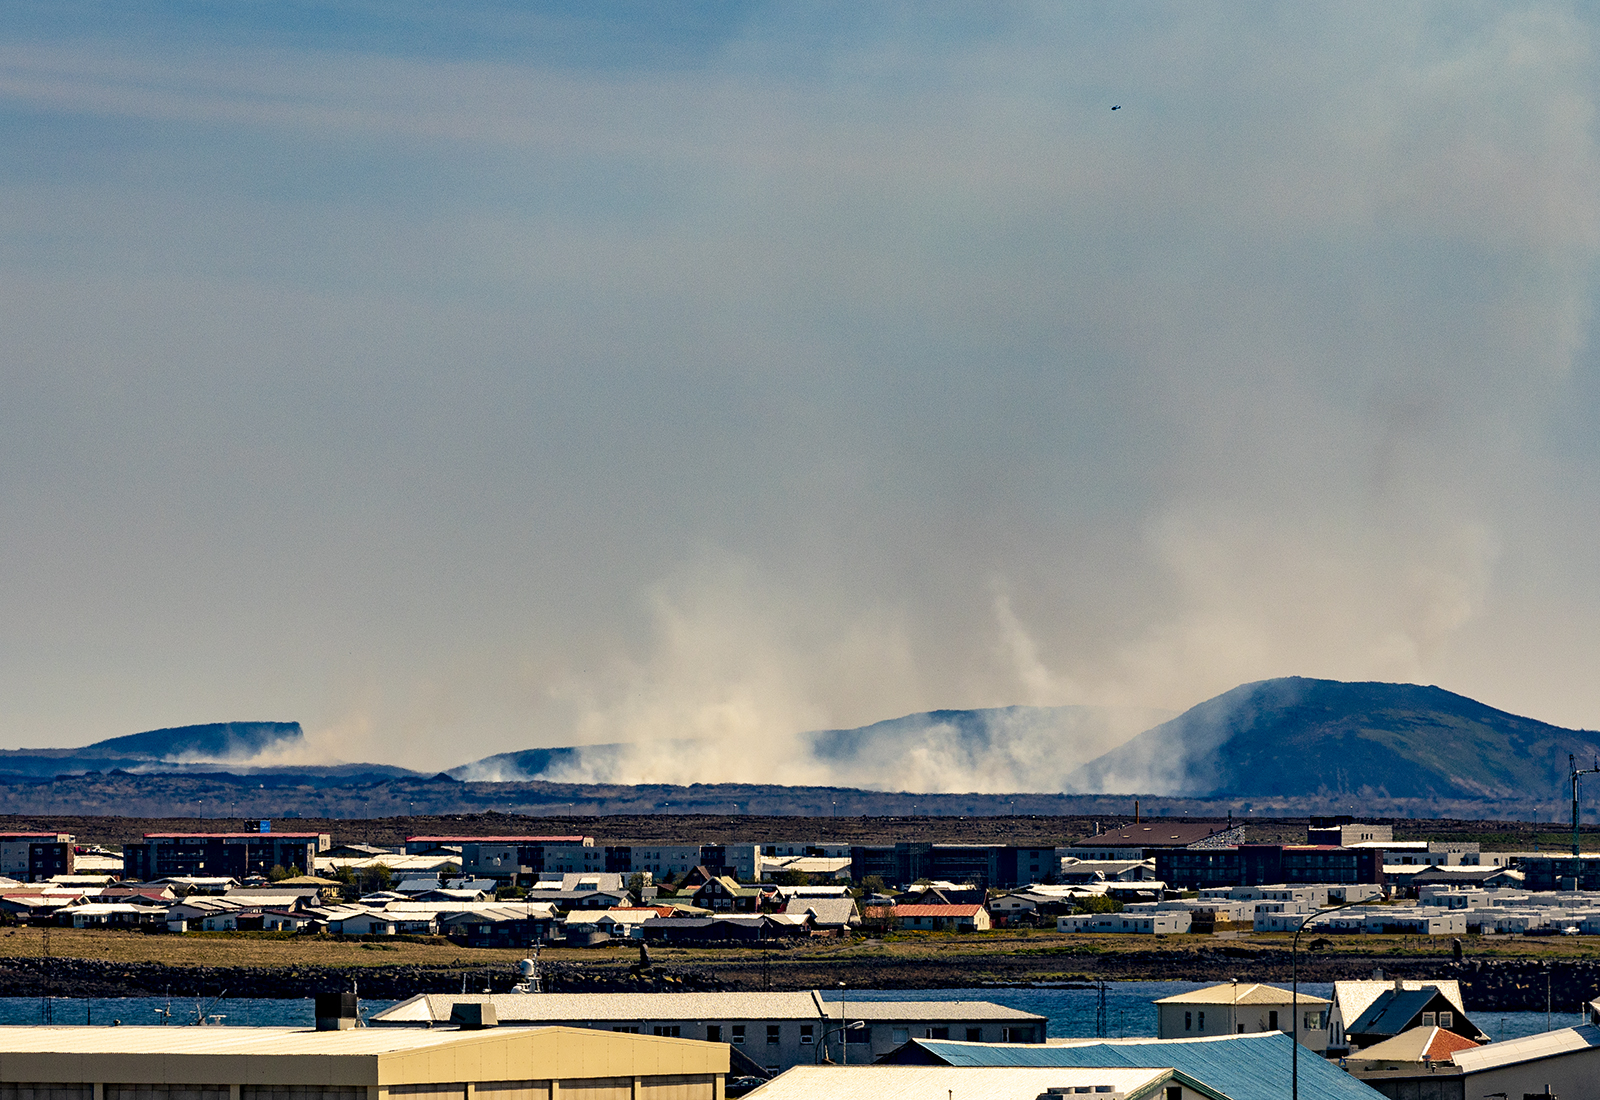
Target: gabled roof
[(1434, 1043), (1251, 994), (1245, 1067), (1392, 1012), (937, 910), (1355, 997)]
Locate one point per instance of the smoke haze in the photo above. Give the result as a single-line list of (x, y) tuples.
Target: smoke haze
[(466, 384)]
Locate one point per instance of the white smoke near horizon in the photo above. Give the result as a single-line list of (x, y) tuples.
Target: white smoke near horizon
[(828, 371)]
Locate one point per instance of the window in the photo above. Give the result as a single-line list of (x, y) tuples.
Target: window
[(1272, 1021), (1174, 1092), (626, 1029), (1202, 1021), (858, 1035), (938, 1033), (974, 1034), (900, 1035), (808, 1034), (772, 1034), (1188, 1021), (713, 1033), (1427, 1019), (738, 1033), (1016, 1035), (671, 1030), (1446, 1019)]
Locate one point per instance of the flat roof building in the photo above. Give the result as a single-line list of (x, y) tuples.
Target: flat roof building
[(248, 1063), (232, 855)]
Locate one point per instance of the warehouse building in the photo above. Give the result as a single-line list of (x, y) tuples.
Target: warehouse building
[(247, 1063)]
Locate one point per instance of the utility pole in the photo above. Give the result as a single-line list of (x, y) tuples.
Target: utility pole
[(1575, 773)]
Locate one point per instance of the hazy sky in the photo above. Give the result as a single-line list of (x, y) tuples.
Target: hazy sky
[(461, 381)]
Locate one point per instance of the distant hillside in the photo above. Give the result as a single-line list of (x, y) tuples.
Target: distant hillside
[(997, 749), (1297, 737), (214, 742)]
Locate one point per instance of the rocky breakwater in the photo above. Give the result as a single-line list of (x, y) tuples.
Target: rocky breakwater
[(65, 977)]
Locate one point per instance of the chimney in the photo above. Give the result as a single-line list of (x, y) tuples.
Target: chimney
[(336, 1011), (1136, 811)]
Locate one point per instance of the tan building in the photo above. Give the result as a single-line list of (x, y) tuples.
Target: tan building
[(1242, 1008), (246, 1063)]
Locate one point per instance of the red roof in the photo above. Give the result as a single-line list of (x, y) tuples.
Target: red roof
[(230, 836), (1444, 1044), (937, 910), (496, 839)]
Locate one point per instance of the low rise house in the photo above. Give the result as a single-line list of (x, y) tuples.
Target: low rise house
[(1564, 1063), (1352, 998), (1396, 1011), (827, 914), (1130, 922), (1239, 1008), (942, 918), (723, 895), (1413, 1050)]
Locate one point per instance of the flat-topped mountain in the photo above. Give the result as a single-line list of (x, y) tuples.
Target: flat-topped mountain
[(1297, 737), (210, 743)]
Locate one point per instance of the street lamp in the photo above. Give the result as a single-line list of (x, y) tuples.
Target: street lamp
[(1294, 995)]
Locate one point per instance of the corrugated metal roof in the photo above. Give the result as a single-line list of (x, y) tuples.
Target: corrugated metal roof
[(925, 1082), (1245, 1067), (1561, 1041), (1253, 994)]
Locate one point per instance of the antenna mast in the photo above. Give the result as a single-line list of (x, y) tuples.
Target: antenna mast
[(1574, 773)]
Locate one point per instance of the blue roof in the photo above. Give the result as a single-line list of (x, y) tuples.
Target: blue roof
[(1393, 1013), (1245, 1067)]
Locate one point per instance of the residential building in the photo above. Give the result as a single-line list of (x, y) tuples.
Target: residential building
[(517, 859), (774, 1030), (983, 865), (250, 1063), (233, 855), (1395, 1011), (1564, 1063), (723, 895), (1557, 872), (1239, 1008), (1255, 864), (1134, 923), (36, 857), (942, 918)]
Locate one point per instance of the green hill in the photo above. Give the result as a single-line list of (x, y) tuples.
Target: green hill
[(1298, 737)]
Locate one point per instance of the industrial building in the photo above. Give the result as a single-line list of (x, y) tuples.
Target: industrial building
[(230, 855), (772, 1030), (247, 1063), (988, 1082)]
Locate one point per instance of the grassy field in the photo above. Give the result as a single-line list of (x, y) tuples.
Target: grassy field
[(1047, 948)]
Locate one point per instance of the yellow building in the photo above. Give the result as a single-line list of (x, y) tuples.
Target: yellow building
[(246, 1063)]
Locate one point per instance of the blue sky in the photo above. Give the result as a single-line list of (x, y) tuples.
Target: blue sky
[(460, 380)]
